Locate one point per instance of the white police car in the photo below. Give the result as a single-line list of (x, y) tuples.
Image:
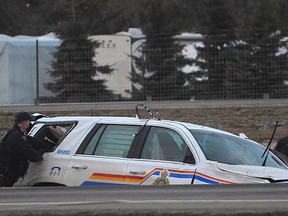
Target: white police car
[(100, 151)]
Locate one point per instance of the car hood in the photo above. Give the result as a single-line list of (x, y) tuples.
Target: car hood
[(271, 173)]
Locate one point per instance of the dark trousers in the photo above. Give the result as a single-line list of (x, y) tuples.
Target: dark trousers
[(7, 179)]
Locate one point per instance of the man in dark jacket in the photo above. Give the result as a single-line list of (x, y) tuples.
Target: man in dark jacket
[(16, 151)]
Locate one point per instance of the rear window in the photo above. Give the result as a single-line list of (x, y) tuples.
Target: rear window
[(112, 140)]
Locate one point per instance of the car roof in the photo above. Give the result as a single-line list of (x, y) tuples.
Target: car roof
[(87, 119), (198, 127), (126, 120)]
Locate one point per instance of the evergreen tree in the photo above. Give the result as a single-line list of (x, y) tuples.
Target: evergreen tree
[(268, 64), (214, 57), (283, 15), (161, 76), (75, 69)]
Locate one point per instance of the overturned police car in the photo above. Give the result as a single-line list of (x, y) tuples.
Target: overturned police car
[(105, 151)]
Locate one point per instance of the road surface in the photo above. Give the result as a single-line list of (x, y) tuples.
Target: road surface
[(152, 104), (262, 199)]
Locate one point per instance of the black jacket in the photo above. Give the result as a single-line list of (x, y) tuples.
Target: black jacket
[(16, 152)]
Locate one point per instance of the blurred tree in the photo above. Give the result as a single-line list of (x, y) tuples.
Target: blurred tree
[(110, 16), (161, 59), (245, 63), (31, 17), (75, 69), (283, 15), (214, 56), (12, 17), (266, 39), (192, 15)]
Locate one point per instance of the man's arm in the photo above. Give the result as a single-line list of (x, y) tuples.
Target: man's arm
[(27, 151), (40, 145)]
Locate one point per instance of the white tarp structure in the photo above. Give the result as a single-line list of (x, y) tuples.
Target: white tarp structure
[(18, 72), (18, 79), (18, 67)]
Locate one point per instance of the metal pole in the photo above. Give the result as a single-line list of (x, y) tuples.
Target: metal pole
[(36, 101)]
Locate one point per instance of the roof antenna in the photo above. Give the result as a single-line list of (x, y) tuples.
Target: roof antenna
[(152, 115)]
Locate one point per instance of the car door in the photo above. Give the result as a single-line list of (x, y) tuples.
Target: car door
[(102, 157), (162, 158), (53, 135)]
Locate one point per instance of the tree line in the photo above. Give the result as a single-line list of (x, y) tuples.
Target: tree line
[(239, 57)]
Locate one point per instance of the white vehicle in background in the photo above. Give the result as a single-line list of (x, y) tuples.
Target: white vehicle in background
[(104, 151)]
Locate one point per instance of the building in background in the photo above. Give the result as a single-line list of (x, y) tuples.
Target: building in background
[(115, 50)]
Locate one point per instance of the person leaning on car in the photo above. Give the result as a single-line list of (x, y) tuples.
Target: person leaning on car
[(17, 149)]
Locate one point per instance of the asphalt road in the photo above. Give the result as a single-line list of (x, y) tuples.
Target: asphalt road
[(151, 104), (262, 199)]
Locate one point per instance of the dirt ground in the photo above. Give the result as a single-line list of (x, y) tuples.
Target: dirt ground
[(256, 122)]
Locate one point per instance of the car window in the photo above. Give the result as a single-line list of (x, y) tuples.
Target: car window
[(232, 150), (112, 140), (164, 144), (54, 133)]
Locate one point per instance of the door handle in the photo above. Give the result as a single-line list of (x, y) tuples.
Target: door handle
[(137, 172), (78, 167)]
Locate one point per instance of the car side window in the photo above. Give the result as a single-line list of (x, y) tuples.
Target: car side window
[(112, 140), (165, 144), (53, 133)]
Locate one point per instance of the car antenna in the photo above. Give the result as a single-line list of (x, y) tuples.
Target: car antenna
[(152, 116), (269, 144)]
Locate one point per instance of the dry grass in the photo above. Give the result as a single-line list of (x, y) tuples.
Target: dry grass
[(256, 122)]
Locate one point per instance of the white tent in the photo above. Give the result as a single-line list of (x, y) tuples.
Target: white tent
[(18, 67), (18, 79)]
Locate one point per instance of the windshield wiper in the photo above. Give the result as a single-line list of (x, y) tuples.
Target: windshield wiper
[(268, 146)]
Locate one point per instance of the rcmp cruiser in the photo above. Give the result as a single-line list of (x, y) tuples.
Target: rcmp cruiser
[(100, 151)]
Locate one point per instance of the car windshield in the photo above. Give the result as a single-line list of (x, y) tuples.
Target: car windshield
[(228, 149)]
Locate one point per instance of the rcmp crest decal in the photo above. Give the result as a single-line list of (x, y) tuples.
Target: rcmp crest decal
[(163, 179)]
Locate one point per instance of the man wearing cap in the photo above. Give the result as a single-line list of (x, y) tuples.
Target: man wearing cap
[(16, 151)]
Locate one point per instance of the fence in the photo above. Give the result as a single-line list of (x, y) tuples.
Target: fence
[(161, 67)]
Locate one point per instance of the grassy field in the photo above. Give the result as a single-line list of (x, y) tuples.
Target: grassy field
[(257, 122)]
